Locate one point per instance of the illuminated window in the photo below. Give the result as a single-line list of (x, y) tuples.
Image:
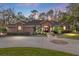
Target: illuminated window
[(64, 27), (19, 28)]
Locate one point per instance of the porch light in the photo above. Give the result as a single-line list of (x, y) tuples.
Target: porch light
[(19, 28)]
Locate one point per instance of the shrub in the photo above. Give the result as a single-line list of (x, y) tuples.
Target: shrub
[(3, 30), (16, 33), (58, 29)]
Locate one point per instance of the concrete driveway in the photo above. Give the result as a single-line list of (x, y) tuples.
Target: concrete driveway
[(41, 42)]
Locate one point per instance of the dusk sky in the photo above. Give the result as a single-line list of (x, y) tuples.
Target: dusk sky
[(26, 8)]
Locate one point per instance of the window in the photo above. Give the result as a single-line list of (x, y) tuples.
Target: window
[(64, 27), (19, 28)]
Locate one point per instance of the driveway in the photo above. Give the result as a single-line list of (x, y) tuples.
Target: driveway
[(72, 46)]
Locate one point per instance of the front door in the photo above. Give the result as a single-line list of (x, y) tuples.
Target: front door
[(46, 28)]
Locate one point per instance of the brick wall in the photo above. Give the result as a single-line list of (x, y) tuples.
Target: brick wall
[(25, 28)]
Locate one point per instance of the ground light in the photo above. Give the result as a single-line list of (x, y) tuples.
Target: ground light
[(71, 34)]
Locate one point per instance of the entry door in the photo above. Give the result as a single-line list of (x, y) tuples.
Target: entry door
[(46, 28)]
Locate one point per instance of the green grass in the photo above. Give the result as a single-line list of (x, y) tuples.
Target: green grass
[(71, 35), (23, 51)]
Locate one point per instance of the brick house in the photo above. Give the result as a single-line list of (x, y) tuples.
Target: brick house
[(29, 27), (23, 27), (49, 25)]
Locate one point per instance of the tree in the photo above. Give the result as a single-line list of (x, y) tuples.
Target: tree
[(34, 11), (8, 15), (42, 16), (21, 16), (34, 14), (73, 11), (50, 14), (19, 13), (60, 16), (63, 16)]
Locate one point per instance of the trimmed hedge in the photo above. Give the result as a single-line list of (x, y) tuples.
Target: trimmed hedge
[(16, 33)]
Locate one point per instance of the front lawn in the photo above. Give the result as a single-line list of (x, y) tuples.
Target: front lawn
[(23, 51), (71, 35)]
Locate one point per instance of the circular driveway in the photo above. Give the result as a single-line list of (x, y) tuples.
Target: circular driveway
[(41, 42)]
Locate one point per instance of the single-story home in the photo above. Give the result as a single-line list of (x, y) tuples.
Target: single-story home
[(30, 26)]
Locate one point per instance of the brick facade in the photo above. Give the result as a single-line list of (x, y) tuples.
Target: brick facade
[(13, 28)]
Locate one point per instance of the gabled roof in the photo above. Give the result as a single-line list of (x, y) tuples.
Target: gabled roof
[(39, 22), (56, 23), (34, 22), (17, 22), (52, 23)]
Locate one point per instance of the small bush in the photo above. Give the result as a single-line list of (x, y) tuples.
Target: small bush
[(3, 30), (58, 29), (16, 33)]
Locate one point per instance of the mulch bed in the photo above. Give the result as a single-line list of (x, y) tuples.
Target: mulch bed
[(59, 42)]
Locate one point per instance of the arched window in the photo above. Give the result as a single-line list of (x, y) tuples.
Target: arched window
[(19, 28)]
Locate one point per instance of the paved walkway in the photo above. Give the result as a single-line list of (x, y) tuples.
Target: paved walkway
[(41, 42)]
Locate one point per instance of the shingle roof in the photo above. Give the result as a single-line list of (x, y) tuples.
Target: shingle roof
[(34, 22), (53, 23), (39, 22), (56, 23)]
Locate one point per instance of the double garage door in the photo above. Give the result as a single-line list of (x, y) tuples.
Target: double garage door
[(23, 30)]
